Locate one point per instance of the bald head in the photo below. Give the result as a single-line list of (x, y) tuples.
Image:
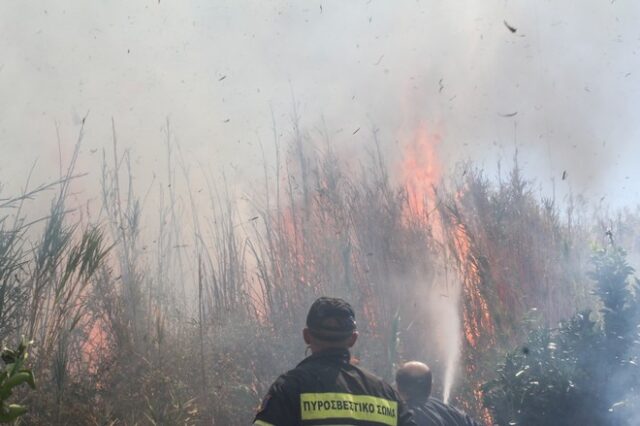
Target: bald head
[(414, 380)]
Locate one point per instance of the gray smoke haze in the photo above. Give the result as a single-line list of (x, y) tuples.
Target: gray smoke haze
[(218, 68), (558, 81)]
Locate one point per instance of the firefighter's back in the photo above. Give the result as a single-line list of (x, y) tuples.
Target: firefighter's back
[(325, 389)]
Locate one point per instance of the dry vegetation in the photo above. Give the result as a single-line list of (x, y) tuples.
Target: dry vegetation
[(190, 325)]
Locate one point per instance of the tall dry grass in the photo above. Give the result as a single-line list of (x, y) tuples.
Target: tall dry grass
[(191, 323)]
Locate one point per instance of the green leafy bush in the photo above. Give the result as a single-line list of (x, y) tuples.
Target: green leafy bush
[(13, 375), (583, 372)]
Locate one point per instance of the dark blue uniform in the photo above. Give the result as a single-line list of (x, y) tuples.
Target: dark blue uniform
[(433, 412)]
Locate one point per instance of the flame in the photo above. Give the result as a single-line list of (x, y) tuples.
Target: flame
[(95, 346), (477, 319), (421, 173)]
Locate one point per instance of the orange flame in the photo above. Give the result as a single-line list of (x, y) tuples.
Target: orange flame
[(477, 319), (421, 172), (95, 346)]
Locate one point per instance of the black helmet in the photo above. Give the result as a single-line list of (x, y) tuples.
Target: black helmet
[(331, 319)]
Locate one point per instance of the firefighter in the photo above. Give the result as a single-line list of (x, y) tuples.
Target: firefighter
[(325, 388), (414, 381)]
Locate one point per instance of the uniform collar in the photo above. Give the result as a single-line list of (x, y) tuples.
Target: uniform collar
[(339, 355)]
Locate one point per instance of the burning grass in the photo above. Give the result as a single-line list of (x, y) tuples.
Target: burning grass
[(190, 325)]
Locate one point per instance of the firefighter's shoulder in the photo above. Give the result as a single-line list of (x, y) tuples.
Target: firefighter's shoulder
[(278, 407), (287, 385), (375, 384)]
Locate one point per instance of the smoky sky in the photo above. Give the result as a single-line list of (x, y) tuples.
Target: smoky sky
[(563, 88)]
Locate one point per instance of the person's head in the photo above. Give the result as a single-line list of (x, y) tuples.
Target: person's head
[(331, 323), (414, 380)]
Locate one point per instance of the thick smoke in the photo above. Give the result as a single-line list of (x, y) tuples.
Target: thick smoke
[(219, 70), (557, 81)]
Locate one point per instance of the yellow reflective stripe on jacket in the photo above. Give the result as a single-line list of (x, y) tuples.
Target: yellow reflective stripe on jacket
[(319, 406), (262, 423)]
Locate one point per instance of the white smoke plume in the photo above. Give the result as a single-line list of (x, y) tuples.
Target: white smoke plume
[(557, 80)]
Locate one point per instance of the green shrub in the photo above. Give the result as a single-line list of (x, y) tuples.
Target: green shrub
[(583, 372), (13, 375)]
